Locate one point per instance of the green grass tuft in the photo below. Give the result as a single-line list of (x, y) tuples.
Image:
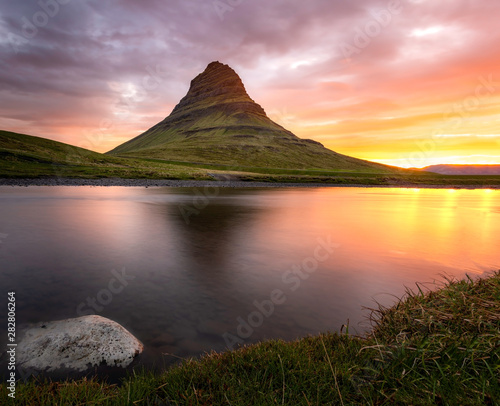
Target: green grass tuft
[(436, 347)]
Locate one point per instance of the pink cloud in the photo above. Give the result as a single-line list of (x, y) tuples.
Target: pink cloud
[(289, 54)]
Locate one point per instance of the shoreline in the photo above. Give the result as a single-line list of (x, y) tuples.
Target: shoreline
[(119, 182), (444, 336)]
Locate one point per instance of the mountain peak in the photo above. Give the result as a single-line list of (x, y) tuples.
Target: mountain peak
[(217, 84), (218, 68), (216, 64)]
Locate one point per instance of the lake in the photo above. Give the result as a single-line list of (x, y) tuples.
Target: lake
[(193, 270)]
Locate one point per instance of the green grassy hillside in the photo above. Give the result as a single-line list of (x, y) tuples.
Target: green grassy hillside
[(227, 146), (26, 156)]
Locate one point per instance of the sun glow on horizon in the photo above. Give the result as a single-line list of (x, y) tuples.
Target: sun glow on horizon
[(410, 89)]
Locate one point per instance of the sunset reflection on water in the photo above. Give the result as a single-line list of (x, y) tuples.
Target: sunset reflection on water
[(202, 259)]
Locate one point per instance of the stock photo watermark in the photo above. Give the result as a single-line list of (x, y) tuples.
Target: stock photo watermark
[(202, 197), (48, 9), (364, 35), (12, 367), (90, 306), (222, 7), (116, 285), (282, 116), (200, 201), (150, 81), (292, 279), (454, 118), (11, 344)]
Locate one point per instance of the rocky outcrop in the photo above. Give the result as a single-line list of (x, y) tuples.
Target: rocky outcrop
[(219, 85), (77, 344)]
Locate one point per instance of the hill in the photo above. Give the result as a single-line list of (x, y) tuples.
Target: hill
[(218, 123), (27, 156), (464, 169)]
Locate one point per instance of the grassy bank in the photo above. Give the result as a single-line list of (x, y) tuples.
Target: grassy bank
[(398, 178), (431, 348), (24, 156)]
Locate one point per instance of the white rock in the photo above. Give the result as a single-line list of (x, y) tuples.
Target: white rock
[(77, 344)]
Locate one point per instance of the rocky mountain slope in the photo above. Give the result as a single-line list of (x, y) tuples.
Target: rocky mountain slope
[(218, 122)]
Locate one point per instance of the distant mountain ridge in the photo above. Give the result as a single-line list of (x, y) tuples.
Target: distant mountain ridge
[(218, 122), (464, 169)]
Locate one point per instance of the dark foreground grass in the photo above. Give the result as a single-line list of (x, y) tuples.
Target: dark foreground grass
[(438, 347)]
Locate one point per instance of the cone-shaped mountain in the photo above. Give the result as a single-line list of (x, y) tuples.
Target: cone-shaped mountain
[(217, 122)]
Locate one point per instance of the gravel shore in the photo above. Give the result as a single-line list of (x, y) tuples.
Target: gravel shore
[(209, 183), (146, 183)]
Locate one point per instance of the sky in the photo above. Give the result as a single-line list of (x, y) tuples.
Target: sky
[(409, 83)]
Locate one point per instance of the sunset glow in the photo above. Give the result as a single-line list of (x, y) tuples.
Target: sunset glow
[(407, 83)]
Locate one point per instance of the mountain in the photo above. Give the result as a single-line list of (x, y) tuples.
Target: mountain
[(217, 122), (464, 169)]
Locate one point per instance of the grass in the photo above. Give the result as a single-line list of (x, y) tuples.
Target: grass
[(401, 180), (239, 168), (24, 156), (266, 151), (439, 347)]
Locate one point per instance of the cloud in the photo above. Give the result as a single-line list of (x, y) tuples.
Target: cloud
[(90, 59)]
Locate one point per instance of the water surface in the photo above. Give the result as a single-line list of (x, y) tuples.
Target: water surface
[(193, 263)]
